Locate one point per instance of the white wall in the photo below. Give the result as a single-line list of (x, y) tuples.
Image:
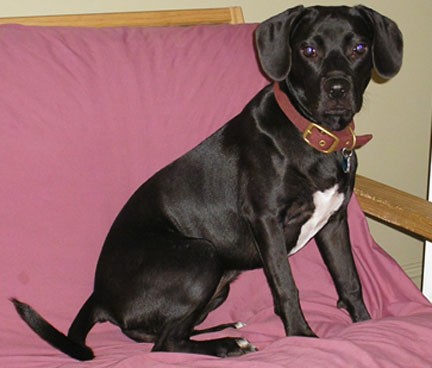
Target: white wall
[(397, 112)]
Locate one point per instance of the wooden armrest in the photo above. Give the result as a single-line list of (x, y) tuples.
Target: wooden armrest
[(394, 207)]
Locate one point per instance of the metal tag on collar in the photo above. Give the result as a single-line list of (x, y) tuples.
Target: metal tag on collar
[(346, 160)]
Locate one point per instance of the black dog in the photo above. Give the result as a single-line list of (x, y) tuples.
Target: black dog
[(256, 191)]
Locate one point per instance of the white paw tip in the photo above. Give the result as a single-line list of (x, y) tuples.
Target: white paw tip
[(245, 345), (239, 325)]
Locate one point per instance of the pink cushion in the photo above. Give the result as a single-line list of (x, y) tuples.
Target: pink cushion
[(86, 116)]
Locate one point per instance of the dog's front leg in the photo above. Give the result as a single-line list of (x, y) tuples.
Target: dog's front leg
[(335, 247), (271, 246)]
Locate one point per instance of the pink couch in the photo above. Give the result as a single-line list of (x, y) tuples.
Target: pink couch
[(86, 115)]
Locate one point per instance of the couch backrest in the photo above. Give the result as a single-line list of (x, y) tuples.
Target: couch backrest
[(86, 116)]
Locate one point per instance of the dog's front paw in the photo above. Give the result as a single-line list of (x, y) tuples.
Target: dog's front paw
[(358, 312), (301, 330), (306, 333)]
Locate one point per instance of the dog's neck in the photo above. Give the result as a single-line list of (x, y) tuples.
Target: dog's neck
[(318, 137)]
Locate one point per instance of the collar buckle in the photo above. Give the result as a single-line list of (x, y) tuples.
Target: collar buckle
[(320, 138)]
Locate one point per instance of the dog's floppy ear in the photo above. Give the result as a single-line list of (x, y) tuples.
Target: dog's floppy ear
[(272, 43), (387, 47)]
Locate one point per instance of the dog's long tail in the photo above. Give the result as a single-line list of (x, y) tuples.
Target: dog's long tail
[(71, 345)]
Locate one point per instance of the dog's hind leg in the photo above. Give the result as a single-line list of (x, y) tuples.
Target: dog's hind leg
[(218, 298), (200, 285), (221, 327), (176, 339)]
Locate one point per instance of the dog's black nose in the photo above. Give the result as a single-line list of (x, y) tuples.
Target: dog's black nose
[(337, 87)]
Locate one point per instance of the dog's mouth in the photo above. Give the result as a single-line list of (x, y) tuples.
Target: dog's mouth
[(337, 118), (337, 112)]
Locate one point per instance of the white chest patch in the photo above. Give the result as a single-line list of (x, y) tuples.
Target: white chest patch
[(326, 203)]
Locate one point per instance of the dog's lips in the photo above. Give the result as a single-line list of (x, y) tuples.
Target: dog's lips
[(337, 119), (338, 112)]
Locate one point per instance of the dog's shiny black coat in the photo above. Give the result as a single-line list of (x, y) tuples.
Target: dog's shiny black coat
[(239, 200)]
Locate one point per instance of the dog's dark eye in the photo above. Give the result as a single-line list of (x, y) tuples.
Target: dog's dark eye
[(309, 51), (359, 49)]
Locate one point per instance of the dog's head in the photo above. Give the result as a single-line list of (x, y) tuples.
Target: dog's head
[(325, 56)]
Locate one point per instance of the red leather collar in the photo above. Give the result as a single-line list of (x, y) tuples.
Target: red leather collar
[(318, 137)]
